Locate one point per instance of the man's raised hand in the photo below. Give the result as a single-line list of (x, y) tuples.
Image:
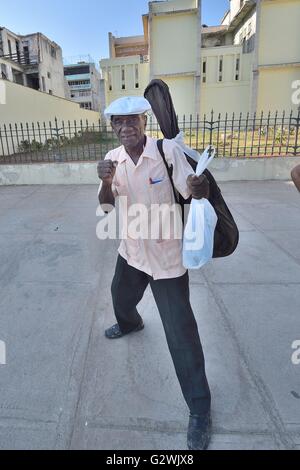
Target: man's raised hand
[(106, 171)]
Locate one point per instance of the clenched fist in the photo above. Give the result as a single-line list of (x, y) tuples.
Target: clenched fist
[(106, 171)]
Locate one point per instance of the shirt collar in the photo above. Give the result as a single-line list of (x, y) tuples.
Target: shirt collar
[(150, 151)]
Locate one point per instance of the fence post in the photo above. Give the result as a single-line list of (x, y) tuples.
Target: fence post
[(57, 154), (2, 146), (211, 127), (296, 152)]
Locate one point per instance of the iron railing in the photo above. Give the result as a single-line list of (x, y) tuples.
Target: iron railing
[(23, 58), (236, 136)]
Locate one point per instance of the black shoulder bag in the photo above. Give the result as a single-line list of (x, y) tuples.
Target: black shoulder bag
[(226, 232)]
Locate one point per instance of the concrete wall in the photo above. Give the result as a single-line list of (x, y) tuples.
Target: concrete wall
[(275, 89), (230, 95), (223, 169), (114, 67), (225, 98), (183, 93), (27, 105), (172, 5), (49, 64), (102, 97), (95, 85), (279, 32), (174, 44), (278, 54), (246, 29)]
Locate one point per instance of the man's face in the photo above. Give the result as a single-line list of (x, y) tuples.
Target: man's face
[(129, 129)]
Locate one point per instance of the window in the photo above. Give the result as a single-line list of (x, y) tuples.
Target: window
[(123, 84), (249, 30), (137, 85), (220, 78), (77, 70), (3, 71), (237, 68), (53, 52), (204, 71), (9, 47), (43, 84), (18, 50), (26, 54), (50, 92), (49, 75), (109, 75), (17, 77), (86, 105), (79, 82)]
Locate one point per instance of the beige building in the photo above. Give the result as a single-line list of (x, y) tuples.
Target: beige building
[(276, 65), (161, 53), (247, 63), (126, 72), (32, 60)]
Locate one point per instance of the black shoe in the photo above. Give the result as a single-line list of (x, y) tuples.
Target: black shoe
[(199, 432), (114, 331)]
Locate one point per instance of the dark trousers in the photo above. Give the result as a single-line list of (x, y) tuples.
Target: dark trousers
[(172, 298)]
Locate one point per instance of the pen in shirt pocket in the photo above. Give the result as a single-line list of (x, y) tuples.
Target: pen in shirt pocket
[(155, 181)]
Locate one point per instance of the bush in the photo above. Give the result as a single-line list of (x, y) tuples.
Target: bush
[(27, 146)]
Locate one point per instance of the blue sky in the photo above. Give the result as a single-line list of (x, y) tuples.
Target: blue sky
[(81, 27)]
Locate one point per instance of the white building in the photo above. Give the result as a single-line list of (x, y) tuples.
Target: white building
[(84, 82), (32, 60)]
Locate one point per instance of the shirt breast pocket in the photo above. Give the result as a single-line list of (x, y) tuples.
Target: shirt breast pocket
[(161, 193)]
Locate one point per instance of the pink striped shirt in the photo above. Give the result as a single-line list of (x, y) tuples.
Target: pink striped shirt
[(148, 183)]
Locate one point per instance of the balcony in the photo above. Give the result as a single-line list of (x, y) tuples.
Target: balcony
[(25, 60), (86, 86)]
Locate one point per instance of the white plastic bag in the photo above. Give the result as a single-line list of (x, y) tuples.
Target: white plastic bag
[(198, 240)]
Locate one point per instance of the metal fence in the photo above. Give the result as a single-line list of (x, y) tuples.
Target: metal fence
[(235, 136)]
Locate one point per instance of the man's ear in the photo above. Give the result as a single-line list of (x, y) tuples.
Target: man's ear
[(146, 120)]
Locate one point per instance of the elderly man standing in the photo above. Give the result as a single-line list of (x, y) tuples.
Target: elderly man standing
[(136, 170)]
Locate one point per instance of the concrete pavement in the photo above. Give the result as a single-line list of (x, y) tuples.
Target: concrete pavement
[(65, 386)]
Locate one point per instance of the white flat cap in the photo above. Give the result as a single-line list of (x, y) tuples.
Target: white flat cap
[(126, 106)]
